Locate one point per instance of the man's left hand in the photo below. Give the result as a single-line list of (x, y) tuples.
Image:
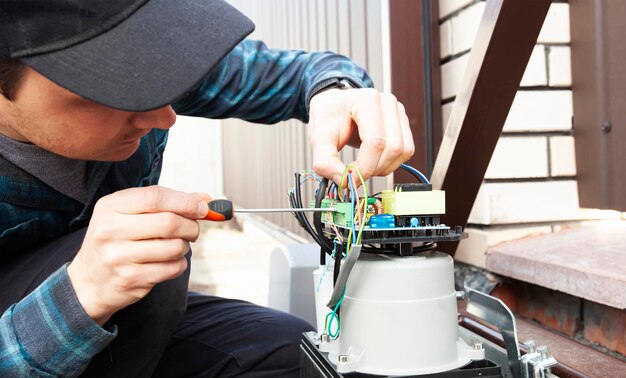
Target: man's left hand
[(374, 122)]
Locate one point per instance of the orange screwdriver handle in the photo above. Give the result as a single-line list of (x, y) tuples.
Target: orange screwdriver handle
[(220, 210)]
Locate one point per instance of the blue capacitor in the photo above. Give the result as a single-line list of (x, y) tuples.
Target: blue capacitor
[(415, 222), (382, 221)]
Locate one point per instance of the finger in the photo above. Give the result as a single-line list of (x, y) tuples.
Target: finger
[(155, 199), (164, 225), (408, 144), (155, 250), (369, 120), (326, 162), (154, 273), (393, 134)]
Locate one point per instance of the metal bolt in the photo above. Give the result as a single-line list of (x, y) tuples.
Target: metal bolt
[(343, 358), (324, 338), (530, 344), (460, 295), (543, 350), (478, 346)]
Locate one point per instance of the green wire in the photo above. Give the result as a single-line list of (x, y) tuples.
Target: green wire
[(343, 178), (333, 315), (361, 226)]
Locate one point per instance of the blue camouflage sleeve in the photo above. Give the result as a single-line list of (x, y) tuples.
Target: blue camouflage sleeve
[(265, 85)]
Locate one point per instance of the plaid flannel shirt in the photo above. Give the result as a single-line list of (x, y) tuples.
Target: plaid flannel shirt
[(48, 333)]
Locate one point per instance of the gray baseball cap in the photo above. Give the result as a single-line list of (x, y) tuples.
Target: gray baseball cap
[(132, 55)]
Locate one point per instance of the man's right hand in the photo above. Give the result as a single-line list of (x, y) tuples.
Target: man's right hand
[(136, 239)]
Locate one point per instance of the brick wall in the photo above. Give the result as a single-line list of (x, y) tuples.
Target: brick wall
[(588, 322), (530, 185)]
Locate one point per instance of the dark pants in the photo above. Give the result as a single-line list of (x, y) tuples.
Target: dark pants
[(172, 333)]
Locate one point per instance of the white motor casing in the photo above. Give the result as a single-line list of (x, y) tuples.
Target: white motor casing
[(399, 317), (323, 283)]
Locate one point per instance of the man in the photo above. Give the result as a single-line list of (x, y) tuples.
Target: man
[(89, 90)]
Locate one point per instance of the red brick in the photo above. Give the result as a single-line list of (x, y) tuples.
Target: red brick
[(550, 308), (507, 293), (606, 326)]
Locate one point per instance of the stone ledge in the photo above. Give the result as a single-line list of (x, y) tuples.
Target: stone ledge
[(586, 262)]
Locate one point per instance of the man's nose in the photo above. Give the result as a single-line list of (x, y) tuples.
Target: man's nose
[(162, 118)]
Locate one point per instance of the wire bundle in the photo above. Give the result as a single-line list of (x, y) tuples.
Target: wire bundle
[(346, 191), (330, 191), (295, 200), (354, 236), (354, 197)]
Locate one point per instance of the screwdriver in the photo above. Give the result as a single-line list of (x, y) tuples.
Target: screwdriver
[(222, 210)]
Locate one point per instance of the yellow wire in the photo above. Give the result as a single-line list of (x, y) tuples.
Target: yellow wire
[(365, 195), (362, 225)]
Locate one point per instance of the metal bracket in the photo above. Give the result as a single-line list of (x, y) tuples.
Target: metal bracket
[(495, 312), (537, 362)]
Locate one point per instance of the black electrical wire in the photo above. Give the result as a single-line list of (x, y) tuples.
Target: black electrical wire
[(338, 259), (318, 236), (296, 202), (332, 187), (317, 216), (307, 226), (325, 245), (303, 222), (292, 203)]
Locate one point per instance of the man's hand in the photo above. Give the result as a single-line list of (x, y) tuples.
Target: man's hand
[(375, 122), (136, 239)]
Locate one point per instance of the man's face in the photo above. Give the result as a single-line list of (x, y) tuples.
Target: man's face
[(62, 122)]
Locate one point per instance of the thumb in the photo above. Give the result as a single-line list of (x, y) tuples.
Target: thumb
[(203, 196)]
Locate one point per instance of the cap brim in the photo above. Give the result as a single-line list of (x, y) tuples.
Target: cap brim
[(152, 58)]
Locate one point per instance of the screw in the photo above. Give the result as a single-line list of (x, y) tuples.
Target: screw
[(343, 358), (324, 338), (478, 346), (460, 295), (530, 344)]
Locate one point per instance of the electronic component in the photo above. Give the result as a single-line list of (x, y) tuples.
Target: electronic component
[(342, 215), (382, 221), (417, 221), (414, 203), (416, 210), (413, 187)]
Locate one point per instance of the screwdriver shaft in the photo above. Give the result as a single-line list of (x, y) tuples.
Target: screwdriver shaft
[(285, 210)]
